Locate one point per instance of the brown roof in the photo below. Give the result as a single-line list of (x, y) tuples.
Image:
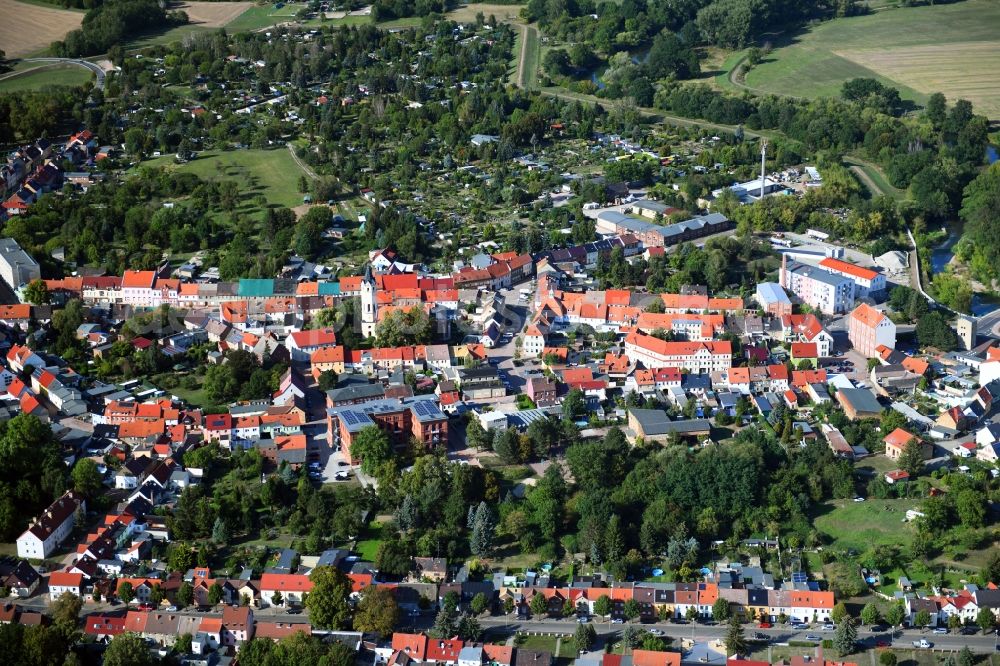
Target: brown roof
[(54, 516)]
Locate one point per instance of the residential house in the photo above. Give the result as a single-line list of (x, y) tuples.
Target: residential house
[(47, 532)]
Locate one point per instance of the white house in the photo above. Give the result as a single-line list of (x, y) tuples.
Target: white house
[(63, 581), (47, 532), (988, 435), (138, 289), (989, 453), (696, 357), (302, 344)]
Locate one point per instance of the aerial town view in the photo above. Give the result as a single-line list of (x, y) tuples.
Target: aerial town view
[(522, 333)]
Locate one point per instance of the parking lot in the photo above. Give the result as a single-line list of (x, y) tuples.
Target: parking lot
[(325, 464)]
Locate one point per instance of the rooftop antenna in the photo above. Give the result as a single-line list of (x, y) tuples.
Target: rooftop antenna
[(763, 156)]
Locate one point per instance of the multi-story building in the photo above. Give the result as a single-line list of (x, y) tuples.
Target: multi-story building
[(418, 417), (868, 329), (17, 267), (827, 292), (867, 283), (46, 533), (138, 289), (695, 357)]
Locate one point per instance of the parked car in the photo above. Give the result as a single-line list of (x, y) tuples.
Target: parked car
[(172, 609), (923, 643), (583, 619), (813, 637), (940, 630), (765, 625)]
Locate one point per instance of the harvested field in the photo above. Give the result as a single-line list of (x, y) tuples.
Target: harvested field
[(467, 13), (34, 28), (949, 48), (212, 14), (959, 70)]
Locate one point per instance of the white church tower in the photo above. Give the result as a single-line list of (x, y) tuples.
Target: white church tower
[(369, 308)]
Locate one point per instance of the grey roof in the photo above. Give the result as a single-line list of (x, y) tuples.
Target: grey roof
[(358, 417), (655, 206), (771, 292), (814, 273), (656, 422), (355, 392), (862, 400)]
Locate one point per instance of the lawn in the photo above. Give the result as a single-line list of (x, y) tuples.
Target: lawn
[(256, 18), (158, 37), (371, 539), (920, 50), (529, 56), (37, 77), (271, 173), (861, 525), (550, 644)]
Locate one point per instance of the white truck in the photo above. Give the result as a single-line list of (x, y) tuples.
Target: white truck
[(923, 643)]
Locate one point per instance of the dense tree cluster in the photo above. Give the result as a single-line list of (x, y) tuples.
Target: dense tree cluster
[(28, 114), (299, 649), (386, 10), (111, 23), (981, 214), (32, 472)]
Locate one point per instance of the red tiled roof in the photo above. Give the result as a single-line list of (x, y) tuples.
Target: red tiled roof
[(848, 268)]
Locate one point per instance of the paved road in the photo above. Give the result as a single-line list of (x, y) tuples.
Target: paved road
[(901, 639), (96, 69)]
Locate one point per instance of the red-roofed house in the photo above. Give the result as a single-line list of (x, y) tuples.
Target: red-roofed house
[(291, 587), (696, 357), (103, 626), (138, 289), (867, 283), (412, 645), (443, 650), (897, 440), (805, 351), (868, 329), (63, 581), (302, 344)]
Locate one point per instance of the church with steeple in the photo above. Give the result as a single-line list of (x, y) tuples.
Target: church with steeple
[(369, 308)]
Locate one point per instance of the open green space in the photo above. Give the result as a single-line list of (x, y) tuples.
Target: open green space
[(37, 77), (552, 644), (371, 539), (919, 50), (264, 16), (531, 60), (860, 525), (156, 38), (270, 173)]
